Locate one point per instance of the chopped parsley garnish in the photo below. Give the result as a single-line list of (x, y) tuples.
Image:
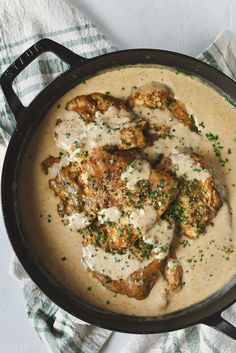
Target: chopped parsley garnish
[(197, 170), (217, 147), (185, 243), (144, 249), (212, 137), (177, 212)]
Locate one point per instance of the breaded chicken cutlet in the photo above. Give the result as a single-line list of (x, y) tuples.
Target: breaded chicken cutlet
[(98, 181), (198, 200)]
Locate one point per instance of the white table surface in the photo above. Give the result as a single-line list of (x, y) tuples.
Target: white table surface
[(183, 26)]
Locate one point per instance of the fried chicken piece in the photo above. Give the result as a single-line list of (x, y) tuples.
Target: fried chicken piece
[(88, 105), (198, 201), (153, 95), (197, 204), (114, 238), (173, 274), (138, 285), (132, 137), (66, 187), (97, 184), (104, 187), (159, 96)]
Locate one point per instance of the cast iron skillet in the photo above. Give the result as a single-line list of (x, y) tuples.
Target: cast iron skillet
[(208, 311)]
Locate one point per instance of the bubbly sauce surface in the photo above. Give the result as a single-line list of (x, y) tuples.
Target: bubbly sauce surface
[(208, 262)]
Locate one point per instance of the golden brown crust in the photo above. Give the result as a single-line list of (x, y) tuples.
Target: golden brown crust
[(138, 285), (153, 98), (105, 188), (173, 274), (66, 187), (87, 105), (162, 99), (132, 137), (97, 184), (197, 203)]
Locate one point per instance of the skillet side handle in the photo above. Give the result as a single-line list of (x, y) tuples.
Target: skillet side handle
[(42, 46), (221, 325)]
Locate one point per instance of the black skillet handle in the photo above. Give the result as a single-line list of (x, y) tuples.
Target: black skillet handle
[(44, 45), (221, 325)]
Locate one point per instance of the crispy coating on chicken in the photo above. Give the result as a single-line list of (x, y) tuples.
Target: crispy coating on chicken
[(96, 184), (159, 96), (66, 187), (115, 238), (101, 177), (197, 203), (132, 137), (153, 95), (173, 274), (138, 285), (88, 105)]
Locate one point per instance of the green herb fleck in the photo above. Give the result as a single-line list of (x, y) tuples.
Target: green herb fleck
[(212, 137)]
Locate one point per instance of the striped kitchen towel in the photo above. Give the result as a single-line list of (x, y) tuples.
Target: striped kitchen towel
[(59, 20)]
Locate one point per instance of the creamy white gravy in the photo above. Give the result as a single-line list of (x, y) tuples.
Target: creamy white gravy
[(161, 236), (111, 214), (77, 221), (143, 218), (207, 262), (116, 266), (72, 132), (139, 169), (185, 165)]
